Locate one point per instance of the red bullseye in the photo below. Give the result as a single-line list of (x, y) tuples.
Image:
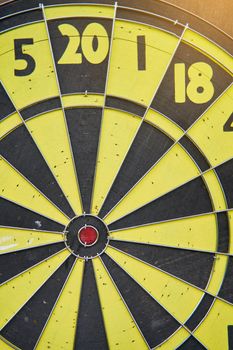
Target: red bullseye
[(88, 235)]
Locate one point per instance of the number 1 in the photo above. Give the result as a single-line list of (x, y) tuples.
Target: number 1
[(141, 48)]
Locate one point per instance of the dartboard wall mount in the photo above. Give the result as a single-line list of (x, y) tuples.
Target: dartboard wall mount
[(116, 177)]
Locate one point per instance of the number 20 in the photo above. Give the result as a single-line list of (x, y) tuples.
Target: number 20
[(93, 31)]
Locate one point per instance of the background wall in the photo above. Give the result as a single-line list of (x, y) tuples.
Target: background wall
[(218, 12)]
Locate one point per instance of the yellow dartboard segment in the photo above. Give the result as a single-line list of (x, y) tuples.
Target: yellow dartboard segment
[(61, 327), (125, 80), (80, 100), (79, 10), (219, 269), (117, 133), (169, 291), (13, 239), (177, 339), (16, 188), (195, 233), (208, 133), (216, 191), (120, 326), (9, 123), (21, 288), (157, 182), (49, 132), (5, 346), (40, 84), (216, 323), (166, 125)]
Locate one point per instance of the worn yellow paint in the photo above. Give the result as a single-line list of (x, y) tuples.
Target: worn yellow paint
[(213, 331), (50, 134), (169, 291), (208, 47), (117, 132), (21, 288), (198, 233), (160, 121), (66, 11), (208, 133), (4, 345), (120, 327), (175, 340), (40, 84), (157, 182), (17, 189), (220, 265), (216, 193), (61, 328), (80, 100), (125, 80), (13, 239), (9, 123)]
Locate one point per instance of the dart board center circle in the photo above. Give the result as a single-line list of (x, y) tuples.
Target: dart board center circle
[(86, 236)]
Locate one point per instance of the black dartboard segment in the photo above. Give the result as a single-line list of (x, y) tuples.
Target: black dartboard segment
[(170, 206), (41, 107), (192, 344), (14, 215), (84, 127), (83, 73), (203, 81), (115, 177), (163, 258), (148, 146), (21, 152), (6, 105), (90, 315), (16, 263), (146, 311)]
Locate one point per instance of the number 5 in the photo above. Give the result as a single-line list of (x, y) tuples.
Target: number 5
[(20, 55)]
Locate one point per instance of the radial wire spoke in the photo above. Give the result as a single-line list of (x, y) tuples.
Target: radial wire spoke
[(96, 179), (168, 60), (76, 201)]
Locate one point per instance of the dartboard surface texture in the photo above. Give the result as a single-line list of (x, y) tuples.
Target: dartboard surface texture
[(116, 177)]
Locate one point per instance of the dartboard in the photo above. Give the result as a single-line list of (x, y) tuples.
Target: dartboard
[(116, 177)]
